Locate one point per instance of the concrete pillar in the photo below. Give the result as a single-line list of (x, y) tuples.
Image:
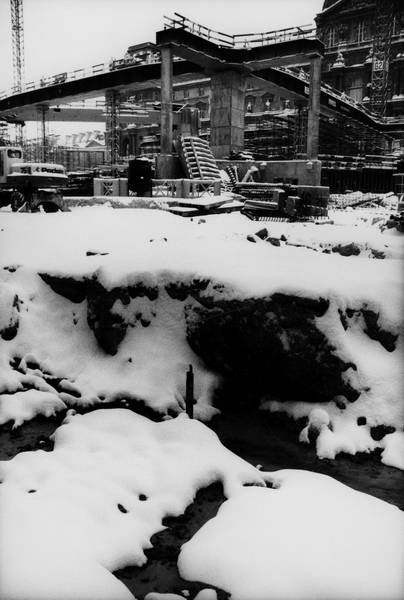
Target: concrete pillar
[(166, 128), (227, 113), (43, 132), (313, 121)]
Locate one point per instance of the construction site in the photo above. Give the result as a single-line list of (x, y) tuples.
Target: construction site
[(317, 108), (201, 325)]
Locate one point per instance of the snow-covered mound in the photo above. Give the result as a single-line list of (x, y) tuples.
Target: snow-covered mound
[(101, 304), (71, 517)]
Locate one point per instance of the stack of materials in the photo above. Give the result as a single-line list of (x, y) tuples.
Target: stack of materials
[(197, 158)]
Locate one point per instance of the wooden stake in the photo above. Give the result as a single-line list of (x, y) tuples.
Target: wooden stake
[(189, 395)]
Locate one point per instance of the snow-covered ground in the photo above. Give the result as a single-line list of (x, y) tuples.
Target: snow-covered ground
[(72, 516)]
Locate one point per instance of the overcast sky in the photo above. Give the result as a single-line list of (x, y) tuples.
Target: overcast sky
[(65, 35)]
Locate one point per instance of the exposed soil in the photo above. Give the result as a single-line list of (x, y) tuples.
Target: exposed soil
[(269, 440)]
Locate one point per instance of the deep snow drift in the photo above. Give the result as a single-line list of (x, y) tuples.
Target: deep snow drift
[(99, 305), (136, 258)]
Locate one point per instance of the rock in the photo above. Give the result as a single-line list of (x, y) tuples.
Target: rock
[(340, 401), (68, 287), (379, 431), (96, 253), (273, 241), (9, 312), (377, 254), (385, 338), (348, 250), (262, 233)]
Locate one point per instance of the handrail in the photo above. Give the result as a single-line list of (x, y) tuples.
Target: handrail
[(58, 79), (331, 91), (240, 40)]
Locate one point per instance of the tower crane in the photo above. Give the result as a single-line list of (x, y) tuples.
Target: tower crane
[(17, 26)]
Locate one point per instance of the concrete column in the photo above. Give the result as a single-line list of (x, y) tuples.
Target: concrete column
[(166, 128), (313, 121), (43, 132), (227, 113)]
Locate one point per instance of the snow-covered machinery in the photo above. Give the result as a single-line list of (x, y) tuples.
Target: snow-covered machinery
[(281, 202), (30, 186)]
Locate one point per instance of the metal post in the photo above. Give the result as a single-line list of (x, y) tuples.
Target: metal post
[(189, 394)]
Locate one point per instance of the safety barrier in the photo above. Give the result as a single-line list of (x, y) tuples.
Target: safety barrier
[(186, 188), (111, 187)]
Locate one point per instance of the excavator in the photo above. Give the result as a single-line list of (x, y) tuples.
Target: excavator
[(30, 186)]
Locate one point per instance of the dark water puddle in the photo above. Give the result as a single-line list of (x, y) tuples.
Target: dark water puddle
[(272, 441), (160, 573)]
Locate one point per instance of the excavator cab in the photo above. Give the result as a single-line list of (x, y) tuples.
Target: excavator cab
[(9, 156)]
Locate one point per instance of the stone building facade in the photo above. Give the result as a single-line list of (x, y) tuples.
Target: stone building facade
[(350, 30)]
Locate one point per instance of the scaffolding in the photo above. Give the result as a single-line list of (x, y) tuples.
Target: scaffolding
[(283, 136), (42, 133), (270, 136), (300, 132), (112, 105), (383, 25)]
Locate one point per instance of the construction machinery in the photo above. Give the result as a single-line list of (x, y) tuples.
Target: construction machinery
[(30, 186)]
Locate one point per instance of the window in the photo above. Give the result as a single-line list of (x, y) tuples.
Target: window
[(14, 153), (355, 89), (186, 93), (331, 39), (249, 104), (201, 106), (201, 91), (267, 100), (360, 31)]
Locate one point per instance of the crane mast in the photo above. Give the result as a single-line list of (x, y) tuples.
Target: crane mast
[(17, 25)]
